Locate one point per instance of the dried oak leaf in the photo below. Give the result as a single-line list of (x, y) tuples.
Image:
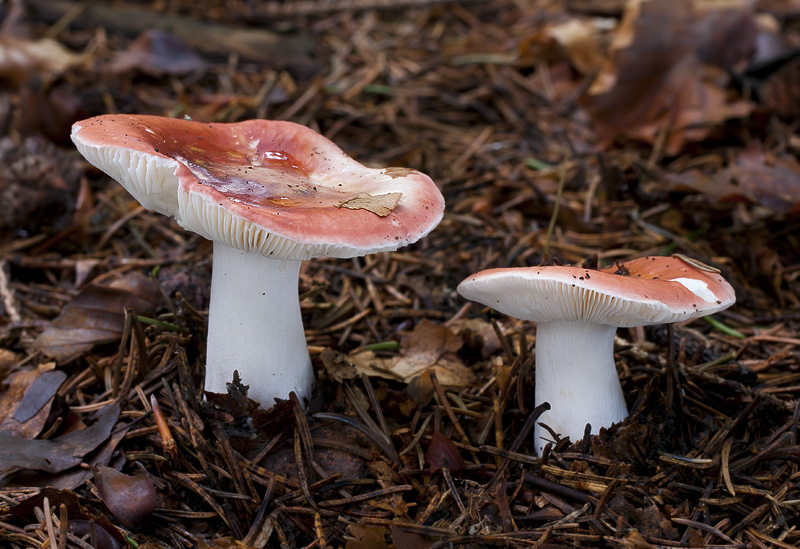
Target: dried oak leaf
[(60, 453), (381, 205), (96, 315), (430, 346), (654, 85)]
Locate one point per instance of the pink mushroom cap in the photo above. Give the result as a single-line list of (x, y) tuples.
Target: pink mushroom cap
[(648, 290), (269, 187)]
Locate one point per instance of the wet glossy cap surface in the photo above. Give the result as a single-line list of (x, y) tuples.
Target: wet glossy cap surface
[(269, 187)]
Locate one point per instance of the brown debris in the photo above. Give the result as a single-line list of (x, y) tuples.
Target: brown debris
[(655, 85), (381, 205), (96, 315)]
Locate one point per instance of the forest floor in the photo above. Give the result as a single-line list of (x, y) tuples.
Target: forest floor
[(589, 131)]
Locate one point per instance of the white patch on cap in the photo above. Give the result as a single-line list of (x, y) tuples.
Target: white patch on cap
[(697, 287)]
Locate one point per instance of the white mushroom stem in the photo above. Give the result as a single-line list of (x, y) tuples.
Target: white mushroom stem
[(255, 327), (575, 373)]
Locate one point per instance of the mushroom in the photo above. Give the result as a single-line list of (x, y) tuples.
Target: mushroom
[(577, 312), (269, 194)]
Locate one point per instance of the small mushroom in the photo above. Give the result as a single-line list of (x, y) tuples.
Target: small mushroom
[(269, 194), (577, 312)]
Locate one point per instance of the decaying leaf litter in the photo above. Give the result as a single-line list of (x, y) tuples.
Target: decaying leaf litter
[(547, 128)]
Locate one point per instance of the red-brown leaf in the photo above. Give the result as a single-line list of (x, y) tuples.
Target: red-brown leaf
[(130, 498)]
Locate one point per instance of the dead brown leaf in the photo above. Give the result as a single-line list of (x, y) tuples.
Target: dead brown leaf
[(381, 205), (25, 405), (367, 537), (396, 172), (7, 359), (578, 39), (654, 85), (430, 346), (96, 315), (409, 540), (337, 366), (71, 479), (478, 334), (755, 177), (46, 57), (60, 453), (769, 180), (130, 498), (443, 453), (158, 53)]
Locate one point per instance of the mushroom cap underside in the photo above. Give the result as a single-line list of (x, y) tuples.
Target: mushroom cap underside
[(269, 187), (649, 290)]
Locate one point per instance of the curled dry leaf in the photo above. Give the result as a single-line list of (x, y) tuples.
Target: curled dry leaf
[(430, 346), (130, 498), (96, 315)]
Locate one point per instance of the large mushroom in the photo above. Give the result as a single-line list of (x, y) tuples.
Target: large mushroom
[(269, 194), (577, 312)]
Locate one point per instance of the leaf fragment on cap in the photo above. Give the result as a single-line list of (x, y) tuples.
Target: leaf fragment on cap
[(381, 205), (398, 172)]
